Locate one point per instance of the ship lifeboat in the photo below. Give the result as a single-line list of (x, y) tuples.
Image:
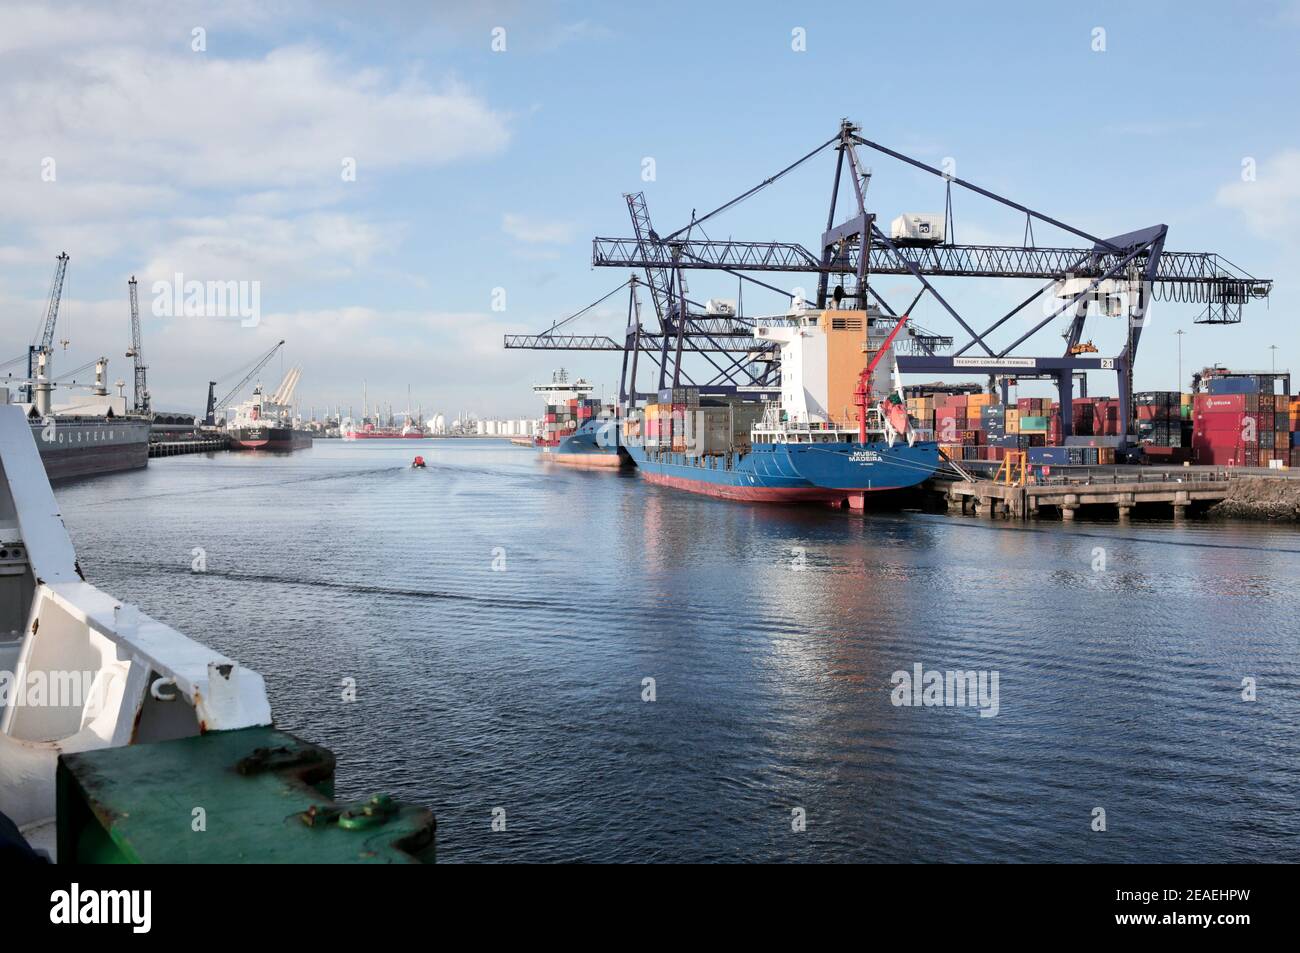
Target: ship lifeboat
[(417, 463), (893, 412)]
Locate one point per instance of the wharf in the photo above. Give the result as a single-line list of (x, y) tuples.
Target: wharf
[(205, 444), (1066, 494)]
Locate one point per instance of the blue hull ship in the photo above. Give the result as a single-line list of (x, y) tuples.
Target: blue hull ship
[(594, 444), (794, 472)]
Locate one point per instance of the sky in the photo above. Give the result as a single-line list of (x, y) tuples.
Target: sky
[(405, 183)]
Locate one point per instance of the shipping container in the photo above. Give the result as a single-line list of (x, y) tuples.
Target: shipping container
[(1232, 385)]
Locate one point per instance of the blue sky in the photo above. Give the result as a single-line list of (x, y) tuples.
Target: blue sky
[(479, 170)]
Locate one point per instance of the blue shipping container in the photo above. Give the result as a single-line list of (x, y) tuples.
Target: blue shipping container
[(1233, 385)]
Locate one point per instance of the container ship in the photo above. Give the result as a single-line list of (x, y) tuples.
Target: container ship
[(827, 440), (568, 404), (594, 444), (266, 423)]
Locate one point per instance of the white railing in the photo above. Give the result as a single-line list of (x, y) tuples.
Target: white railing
[(124, 677)]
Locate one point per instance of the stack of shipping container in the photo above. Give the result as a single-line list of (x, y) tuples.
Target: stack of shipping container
[(973, 427), (664, 422), (1096, 416), (564, 418), (679, 421), (1237, 425)]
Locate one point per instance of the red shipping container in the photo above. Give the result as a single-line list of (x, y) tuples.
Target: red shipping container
[(1217, 457), (1221, 420), (1204, 403)]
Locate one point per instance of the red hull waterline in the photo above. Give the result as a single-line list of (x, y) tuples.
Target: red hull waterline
[(761, 494), (237, 444)]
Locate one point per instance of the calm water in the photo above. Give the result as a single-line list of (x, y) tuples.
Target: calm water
[(522, 689)]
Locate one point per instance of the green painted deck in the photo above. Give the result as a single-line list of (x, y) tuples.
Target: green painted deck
[(257, 795)]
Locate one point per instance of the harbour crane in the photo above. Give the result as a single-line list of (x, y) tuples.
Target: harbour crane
[(46, 334), (720, 337), (210, 417), (136, 352), (1134, 265)]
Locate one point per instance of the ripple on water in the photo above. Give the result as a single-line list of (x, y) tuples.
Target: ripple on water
[(522, 688)]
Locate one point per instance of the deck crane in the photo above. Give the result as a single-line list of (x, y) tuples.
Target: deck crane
[(210, 417), (46, 344), (137, 353)]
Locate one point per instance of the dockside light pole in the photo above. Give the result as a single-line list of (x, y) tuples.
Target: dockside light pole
[(1180, 333)]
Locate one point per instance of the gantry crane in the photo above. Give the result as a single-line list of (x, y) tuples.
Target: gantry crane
[(136, 352), (1134, 266)]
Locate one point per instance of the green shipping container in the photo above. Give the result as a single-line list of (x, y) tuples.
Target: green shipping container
[(1033, 425)]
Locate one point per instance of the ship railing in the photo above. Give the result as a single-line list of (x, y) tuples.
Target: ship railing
[(1111, 477), (121, 677)]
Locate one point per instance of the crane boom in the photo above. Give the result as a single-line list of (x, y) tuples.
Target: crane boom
[(46, 344), (210, 419), (52, 308), (136, 352)]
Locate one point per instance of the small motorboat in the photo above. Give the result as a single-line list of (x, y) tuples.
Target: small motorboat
[(417, 463)]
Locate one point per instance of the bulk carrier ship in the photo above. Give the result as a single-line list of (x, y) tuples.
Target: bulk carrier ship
[(829, 439), (93, 434), (267, 423)]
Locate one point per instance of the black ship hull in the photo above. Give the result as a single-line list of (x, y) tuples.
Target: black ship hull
[(269, 438)]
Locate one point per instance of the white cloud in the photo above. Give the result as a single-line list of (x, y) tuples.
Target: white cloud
[(534, 232), (286, 119), (252, 247), (224, 165), (1271, 203)]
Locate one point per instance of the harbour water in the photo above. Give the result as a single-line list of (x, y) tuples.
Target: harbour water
[(499, 618)]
